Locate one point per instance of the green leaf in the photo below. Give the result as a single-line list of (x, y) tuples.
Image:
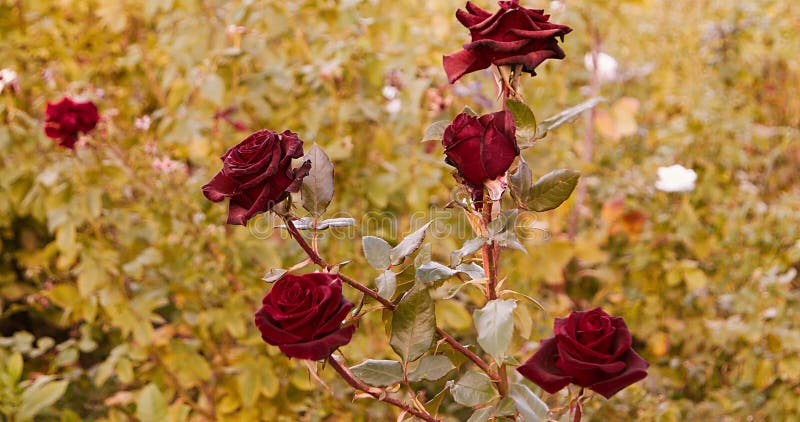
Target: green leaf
[(503, 230), (567, 116), (317, 188), (307, 223), (431, 368), (14, 367), (409, 244), (495, 326), (433, 405), (473, 389), (482, 415), (529, 405), (424, 256), (468, 248), (469, 111), (377, 252), (213, 89), (379, 373), (435, 131), (552, 189), (270, 383), (387, 284), (41, 394), (521, 182), (505, 407), (413, 324), (273, 274), (434, 271), (451, 313), (472, 270), (523, 119), (248, 382), (151, 405)]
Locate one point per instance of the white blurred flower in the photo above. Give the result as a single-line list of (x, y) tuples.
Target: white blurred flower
[(8, 78), (606, 66), (394, 106), (675, 178), (235, 29), (142, 123), (198, 218), (49, 77), (389, 92), (770, 313), (167, 165), (556, 6)]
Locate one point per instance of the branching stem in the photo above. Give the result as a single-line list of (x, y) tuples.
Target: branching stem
[(377, 393)]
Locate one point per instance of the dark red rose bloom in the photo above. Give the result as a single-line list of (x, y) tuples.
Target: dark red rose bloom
[(257, 174), (303, 315), (481, 148), (590, 349), (513, 35), (66, 118)]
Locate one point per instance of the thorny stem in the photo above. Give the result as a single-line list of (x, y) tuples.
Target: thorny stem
[(491, 252), (317, 259), (377, 393), (487, 252), (578, 407), (298, 237), (471, 356), (290, 227)]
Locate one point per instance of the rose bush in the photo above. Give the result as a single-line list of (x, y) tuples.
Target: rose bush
[(257, 173), (303, 315), (67, 118), (513, 35), (591, 349)]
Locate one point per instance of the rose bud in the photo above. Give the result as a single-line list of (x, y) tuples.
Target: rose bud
[(481, 148), (303, 315), (66, 118), (257, 174), (513, 35), (590, 349)]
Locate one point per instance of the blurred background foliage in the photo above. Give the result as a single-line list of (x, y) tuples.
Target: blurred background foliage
[(123, 295)]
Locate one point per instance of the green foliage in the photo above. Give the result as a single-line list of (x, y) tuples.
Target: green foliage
[(379, 373), (124, 293), (524, 120), (413, 324), (431, 368), (317, 188), (495, 326)]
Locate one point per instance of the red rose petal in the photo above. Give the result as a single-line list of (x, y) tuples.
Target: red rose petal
[(320, 348), (636, 370), (541, 368)]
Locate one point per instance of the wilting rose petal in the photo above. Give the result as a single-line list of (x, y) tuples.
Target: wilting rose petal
[(513, 35)]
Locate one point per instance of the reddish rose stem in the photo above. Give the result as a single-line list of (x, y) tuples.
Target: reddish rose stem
[(377, 393), (367, 291), (578, 408), (473, 357), (386, 303), (303, 244), (487, 252), (298, 237)]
